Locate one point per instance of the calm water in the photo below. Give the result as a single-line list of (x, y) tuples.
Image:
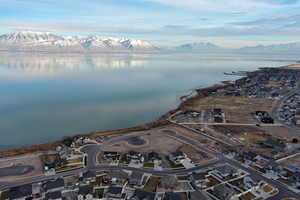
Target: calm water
[(45, 97)]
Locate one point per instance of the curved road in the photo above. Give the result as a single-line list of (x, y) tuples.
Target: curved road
[(91, 151)]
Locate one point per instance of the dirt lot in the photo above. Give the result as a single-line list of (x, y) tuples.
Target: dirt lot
[(156, 140), (25, 160), (281, 132), (246, 134), (237, 109), (295, 66)]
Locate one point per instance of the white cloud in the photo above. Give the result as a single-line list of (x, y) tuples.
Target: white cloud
[(226, 6)]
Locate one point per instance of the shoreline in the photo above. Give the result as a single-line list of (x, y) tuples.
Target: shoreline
[(161, 121)]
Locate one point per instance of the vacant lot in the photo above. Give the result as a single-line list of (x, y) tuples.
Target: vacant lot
[(237, 109), (27, 165), (153, 142)]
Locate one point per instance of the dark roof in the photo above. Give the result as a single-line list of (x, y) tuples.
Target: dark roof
[(136, 177), (85, 190), (53, 195), (133, 153), (172, 196), (225, 169), (89, 174), (153, 156), (274, 143), (114, 190), (143, 195), (196, 195), (177, 153), (198, 176), (54, 184), (20, 191), (250, 155), (119, 174)]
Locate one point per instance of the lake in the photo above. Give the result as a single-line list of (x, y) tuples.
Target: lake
[(45, 97)]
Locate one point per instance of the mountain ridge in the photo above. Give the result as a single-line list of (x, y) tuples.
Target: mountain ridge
[(43, 41)]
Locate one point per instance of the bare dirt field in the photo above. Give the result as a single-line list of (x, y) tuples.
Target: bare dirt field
[(154, 142), (281, 132), (30, 164), (237, 109), (246, 134), (295, 66)]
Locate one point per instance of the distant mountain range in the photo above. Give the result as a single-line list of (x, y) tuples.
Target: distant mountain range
[(209, 47), (201, 46), (40, 41), (27, 41)]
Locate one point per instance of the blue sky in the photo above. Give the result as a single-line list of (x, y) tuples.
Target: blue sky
[(228, 23)]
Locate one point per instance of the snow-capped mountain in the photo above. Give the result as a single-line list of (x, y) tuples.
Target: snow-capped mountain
[(40, 41)]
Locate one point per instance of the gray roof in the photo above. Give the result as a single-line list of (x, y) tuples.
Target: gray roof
[(54, 184), (85, 190), (136, 177), (114, 190), (119, 174), (53, 195), (143, 195), (197, 195), (20, 191), (225, 169)]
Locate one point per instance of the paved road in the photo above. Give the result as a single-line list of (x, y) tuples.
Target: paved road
[(91, 151), (283, 191), (227, 124)]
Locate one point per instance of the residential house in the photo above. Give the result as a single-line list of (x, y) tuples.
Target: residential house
[(57, 195), (177, 157), (114, 192), (223, 191), (198, 179), (142, 195), (136, 178), (111, 155), (152, 156), (295, 179), (115, 177), (20, 192), (198, 195), (136, 156), (85, 192), (54, 185), (225, 171), (89, 176)]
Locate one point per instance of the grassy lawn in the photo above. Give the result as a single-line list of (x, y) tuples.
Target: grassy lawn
[(99, 193), (182, 178), (149, 165), (68, 168), (152, 183), (77, 160)]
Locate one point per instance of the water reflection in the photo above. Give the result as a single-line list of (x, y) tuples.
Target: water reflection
[(53, 63), (45, 97)]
